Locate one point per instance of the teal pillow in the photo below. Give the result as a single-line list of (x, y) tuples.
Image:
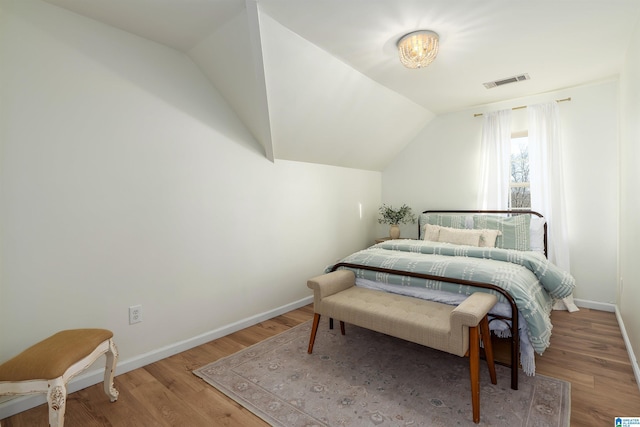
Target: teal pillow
[(447, 220), (515, 230), (443, 220)]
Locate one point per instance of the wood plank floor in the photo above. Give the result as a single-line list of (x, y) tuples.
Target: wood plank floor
[(587, 349)]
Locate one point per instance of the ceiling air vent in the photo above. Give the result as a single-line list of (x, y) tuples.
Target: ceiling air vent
[(507, 80)]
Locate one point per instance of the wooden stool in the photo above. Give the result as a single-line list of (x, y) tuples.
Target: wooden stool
[(47, 367)]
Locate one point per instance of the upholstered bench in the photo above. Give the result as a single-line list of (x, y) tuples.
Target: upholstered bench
[(47, 367), (455, 330)]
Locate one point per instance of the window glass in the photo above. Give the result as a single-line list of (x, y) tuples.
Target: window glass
[(520, 195)]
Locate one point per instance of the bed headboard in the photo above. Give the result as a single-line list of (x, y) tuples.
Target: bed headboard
[(503, 220)]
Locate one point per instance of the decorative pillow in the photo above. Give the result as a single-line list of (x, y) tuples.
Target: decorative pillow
[(459, 237), (431, 232), (488, 238), (447, 220), (444, 220), (515, 230), (536, 236)]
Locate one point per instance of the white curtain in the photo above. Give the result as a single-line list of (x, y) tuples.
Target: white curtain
[(547, 181), (495, 161)]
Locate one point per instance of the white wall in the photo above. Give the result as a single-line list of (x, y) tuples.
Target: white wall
[(126, 179), (322, 110), (440, 170), (629, 286)]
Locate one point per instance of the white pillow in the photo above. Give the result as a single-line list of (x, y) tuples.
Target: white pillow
[(431, 232), (536, 233), (460, 236), (488, 238)]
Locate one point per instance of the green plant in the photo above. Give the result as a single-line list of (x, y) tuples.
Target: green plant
[(388, 215)]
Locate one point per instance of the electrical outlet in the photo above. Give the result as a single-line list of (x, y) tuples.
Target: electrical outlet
[(135, 314)]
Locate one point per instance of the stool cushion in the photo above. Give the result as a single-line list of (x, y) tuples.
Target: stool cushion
[(50, 358)]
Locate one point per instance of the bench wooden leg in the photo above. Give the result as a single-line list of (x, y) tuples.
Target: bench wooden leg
[(488, 348), (474, 369), (314, 329), (342, 327)]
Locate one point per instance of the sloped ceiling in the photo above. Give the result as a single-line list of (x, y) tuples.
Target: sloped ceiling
[(319, 81)]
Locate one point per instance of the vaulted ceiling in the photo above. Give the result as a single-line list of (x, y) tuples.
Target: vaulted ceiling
[(319, 80)]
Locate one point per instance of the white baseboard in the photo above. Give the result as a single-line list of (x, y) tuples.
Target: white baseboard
[(18, 404), (595, 305), (627, 343)]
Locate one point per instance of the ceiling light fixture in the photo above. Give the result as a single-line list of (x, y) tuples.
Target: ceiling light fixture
[(418, 49)]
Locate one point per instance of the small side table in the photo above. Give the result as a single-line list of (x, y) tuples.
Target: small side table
[(382, 239)]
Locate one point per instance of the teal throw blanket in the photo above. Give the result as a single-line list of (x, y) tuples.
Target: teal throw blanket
[(528, 277)]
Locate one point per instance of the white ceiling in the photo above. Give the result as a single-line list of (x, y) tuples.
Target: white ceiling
[(328, 78)]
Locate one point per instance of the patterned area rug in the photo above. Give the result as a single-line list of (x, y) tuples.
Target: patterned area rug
[(369, 379)]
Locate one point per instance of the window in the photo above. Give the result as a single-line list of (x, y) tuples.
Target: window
[(520, 195)]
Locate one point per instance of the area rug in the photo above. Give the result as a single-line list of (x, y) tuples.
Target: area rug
[(369, 379)]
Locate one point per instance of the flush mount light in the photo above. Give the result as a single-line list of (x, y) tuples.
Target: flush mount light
[(418, 49)]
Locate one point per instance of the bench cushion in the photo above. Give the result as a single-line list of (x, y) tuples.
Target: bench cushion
[(423, 322), (50, 358)]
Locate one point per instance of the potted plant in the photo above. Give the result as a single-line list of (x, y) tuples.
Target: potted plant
[(394, 217)]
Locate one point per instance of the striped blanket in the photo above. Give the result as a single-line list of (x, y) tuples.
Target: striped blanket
[(528, 277)]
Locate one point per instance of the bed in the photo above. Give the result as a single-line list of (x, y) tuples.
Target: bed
[(462, 251)]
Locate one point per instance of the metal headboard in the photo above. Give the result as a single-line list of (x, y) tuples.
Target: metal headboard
[(492, 211)]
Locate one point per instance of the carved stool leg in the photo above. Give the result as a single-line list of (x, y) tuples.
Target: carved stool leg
[(109, 371), (57, 400)]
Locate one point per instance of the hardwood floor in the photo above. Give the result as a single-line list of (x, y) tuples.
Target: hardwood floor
[(587, 349)]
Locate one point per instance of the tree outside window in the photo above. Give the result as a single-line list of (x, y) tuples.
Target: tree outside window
[(519, 184)]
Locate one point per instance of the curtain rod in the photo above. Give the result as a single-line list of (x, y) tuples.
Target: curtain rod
[(524, 106)]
